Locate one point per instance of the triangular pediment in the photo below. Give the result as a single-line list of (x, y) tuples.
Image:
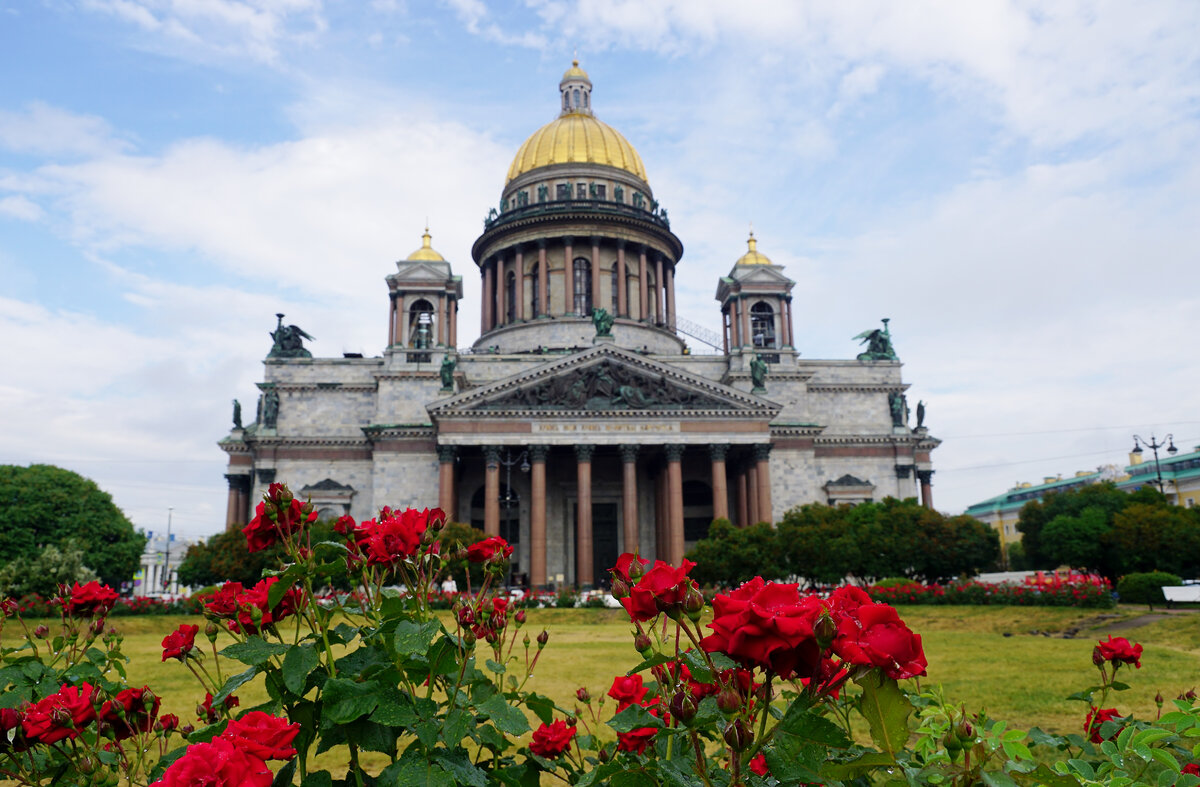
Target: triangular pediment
[(605, 381), (760, 274), (421, 272)]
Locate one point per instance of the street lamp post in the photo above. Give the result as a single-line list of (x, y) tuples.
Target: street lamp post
[(1154, 445), (510, 500)]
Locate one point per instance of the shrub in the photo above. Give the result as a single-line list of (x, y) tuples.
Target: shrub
[(1146, 588)]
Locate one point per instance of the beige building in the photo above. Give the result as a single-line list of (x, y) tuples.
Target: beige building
[(581, 423)]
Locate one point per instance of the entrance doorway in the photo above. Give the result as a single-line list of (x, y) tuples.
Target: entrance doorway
[(605, 524)]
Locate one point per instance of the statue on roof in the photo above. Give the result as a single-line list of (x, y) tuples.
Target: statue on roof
[(921, 414), (237, 414), (898, 404), (289, 341), (879, 344), (603, 321), (270, 408), (447, 372), (758, 374)]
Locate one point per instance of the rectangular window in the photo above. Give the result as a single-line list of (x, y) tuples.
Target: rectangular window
[(601, 191), (580, 191), (1191, 501), (562, 191)]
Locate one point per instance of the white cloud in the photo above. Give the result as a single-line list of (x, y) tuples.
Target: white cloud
[(44, 130), (19, 207)]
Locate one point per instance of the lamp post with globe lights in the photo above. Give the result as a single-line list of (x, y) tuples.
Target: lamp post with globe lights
[(1154, 445)]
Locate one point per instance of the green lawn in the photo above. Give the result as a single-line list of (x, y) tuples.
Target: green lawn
[(1022, 677)]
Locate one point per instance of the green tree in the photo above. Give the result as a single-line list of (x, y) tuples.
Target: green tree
[(730, 555), (43, 505), (954, 546), (45, 572), (1078, 541), (816, 545), (225, 558), (1149, 537)]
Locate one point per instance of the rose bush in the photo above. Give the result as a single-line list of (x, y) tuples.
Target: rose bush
[(767, 689)]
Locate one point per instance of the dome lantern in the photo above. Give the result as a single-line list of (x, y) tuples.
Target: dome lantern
[(576, 90), (426, 253)]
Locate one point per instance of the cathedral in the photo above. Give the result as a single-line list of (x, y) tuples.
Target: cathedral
[(588, 419)]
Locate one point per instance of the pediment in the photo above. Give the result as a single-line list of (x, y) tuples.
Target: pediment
[(760, 274), (421, 271), (605, 381)]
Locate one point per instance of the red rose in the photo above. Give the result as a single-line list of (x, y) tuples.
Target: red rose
[(263, 735), (224, 603), (660, 589), (128, 712), (759, 765), (216, 764), (627, 690), (845, 600), (551, 740), (1120, 651), (40, 724), (490, 548), (624, 565), (1096, 717), (1191, 768), (873, 635), (168, 722), (88, 600), (279, 516), (178, 644), (205, 711), (768, 625), (397, 536), (10, 729), (344, 525), (253, 612)]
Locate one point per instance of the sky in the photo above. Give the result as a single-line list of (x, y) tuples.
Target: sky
[(1015, 185)]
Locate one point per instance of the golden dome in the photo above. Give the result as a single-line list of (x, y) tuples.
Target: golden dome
[(575, 72), (754, 256), (426, 252), (576, 138)]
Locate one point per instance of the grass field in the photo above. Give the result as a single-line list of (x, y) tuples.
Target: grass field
[(986, 657)]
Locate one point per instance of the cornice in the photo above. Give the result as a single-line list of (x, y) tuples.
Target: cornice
[(857, 387)]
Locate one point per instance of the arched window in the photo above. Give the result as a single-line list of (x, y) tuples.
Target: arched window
[(420, 325), (534, 291), (616, 282), (510, 298), (583, 286), (762, 325), (576, 96)]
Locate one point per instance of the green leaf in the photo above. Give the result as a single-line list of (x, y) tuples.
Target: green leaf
[(1166, 759), (653, 661), (412, 639), (254, 651), (997, 779), (886, 710), (459, 765), (318, 779), (395, 709), (803, 723), (542, 707), (298, 662), (1083, 768), (1049, 778), (233, 683), (414, 770), (1117, 685), (285, 775), (696, 664), (634, 717), (279, 589), (495, 666), (457, 726), (509, 719), (633, 779), (791, 759), (344, 700)]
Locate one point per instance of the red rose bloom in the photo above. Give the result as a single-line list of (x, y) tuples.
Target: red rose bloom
[(128, 713), (39, 724), (89, 600), (396, 536), (168, 722), (1191, 768), (624, 564), (224, 603), (207, 713), (1120, 651), (845, 600), (278, 516), (627, 690), (178, 644), (759, 765), (873, 635), (551, 740), (768, 625), (1096, 717), (490, 548), (263, 735), (659, 589), (256, 598), (10, 729), (216, 764)]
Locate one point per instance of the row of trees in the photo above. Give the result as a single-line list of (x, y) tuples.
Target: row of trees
[(825, 544), (1102, 529)]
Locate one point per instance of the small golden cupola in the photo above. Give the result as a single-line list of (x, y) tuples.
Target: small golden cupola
[(426, 253), (753, 256)]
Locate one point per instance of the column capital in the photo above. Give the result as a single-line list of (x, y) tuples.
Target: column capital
[(238, 482), (629, 453), (447, 453), (491, 455), (621, 243), (596, 241), (538, 453), (674, 451), (643, 249), (584, 451), (265, 475), (762, 451), (925, 476), (902, 471), (717, 451), (568, 240), (541, 243)]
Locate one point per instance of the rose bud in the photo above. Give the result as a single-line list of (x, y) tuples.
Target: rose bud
[(636, 569), (543, 638), (729, 700), (468, 638), (582, 695), (693, 603), (643, 645), (62, 718), (491, 637), (428, 537), (824, 630), (41, 631), (104, 729), (1158, 699), (683, 706), (87, 764), (964, 731), (738, 735), (466, 617), (619, 589), (1097, 656), (520, 617), (97, 627), (603, 755), (211, 630), (187, 729), (148, 698), (1189, 695), (952, 743)]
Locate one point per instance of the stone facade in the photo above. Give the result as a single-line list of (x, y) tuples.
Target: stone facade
[(550, 407)]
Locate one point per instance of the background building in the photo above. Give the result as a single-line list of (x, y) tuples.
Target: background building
[(581, 423)]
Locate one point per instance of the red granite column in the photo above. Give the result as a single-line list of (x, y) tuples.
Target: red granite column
[(735, 328), (926, 479), (489, 298), (537, 516), (675, 503), (643, 286), (743, 510), (501, 291), (725, 330), (752, 494), (596, 301), (660, 514), (392, 320), (520, 271), (453, 322), (629, 497), (441, 320), (491, 490), (789, 339), (446, 497), (744, 312), (583, 517), (762, 453), (543, 281), (720, 492), (669, 286), (569, 275), (658, 289), (622, 308)]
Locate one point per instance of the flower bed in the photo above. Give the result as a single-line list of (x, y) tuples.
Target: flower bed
[(1075, 590)]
